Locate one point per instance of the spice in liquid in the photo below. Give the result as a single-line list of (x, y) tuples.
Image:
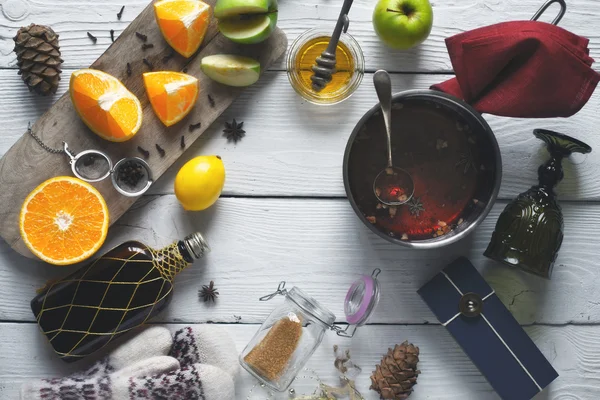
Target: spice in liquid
[(451, 166), (272, 355), (307, 55)]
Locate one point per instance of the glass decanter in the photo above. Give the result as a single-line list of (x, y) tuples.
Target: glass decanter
[(121, 290), (529, 232)]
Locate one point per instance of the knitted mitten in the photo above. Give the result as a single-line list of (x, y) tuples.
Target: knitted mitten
[(127, 374), (150, 343), (206, 344), (192, 382)]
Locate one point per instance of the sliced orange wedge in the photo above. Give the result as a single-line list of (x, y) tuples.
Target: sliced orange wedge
[(105, 105), (172, 94), (183, 23), (64, 220)]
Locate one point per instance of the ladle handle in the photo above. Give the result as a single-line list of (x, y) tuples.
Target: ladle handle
[(341, 25), (383, 87)]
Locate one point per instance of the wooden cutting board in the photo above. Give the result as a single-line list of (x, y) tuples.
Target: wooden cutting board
[(26, 164)]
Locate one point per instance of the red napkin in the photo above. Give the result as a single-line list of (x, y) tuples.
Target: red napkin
[(521, 69)]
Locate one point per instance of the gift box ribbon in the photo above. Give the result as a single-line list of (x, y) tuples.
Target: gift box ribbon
[(483, 299), (487, 331)]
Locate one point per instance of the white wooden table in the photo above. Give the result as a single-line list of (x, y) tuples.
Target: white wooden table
[(284, 216)]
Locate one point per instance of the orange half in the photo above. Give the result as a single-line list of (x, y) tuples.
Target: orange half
[(172, 94), (105, 105), (64, 220), (183, 23)]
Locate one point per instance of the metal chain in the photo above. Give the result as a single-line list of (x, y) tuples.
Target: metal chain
[(42, 144)]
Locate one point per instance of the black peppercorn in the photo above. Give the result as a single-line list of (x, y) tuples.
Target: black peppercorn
[(130, 173)]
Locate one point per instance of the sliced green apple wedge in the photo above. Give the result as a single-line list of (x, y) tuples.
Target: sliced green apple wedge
[(231, 8), (246, 21), (248, 30), (231, 70)]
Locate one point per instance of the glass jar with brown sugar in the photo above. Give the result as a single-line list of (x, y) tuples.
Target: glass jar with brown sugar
[(293, 331)]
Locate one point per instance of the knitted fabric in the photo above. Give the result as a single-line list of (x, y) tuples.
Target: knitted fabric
[(206, 344), (140, 369)]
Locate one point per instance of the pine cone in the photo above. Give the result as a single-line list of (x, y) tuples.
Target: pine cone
[(38, 58), (396, 374)]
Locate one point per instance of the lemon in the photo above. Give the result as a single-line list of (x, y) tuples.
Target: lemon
[(199, 182)]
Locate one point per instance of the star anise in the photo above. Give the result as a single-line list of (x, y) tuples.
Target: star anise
[(415, 206), (209, 293), (233, 131), (466, 161)]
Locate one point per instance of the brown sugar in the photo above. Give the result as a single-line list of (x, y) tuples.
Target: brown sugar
[(271, 356)]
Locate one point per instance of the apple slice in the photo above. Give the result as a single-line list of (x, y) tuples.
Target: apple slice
[(231, 8), (248, 29), (231, 70), (246, 21)]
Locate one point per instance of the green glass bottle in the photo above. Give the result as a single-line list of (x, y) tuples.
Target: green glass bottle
[(121, 290), (529, 232)]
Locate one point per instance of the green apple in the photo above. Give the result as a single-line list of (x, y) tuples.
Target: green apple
[(246, 21), (231, 70), (402, 24)]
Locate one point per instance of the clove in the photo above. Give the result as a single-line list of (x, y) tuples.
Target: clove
[(160, 150), (94, 38), (144, 152), (148, 64), (141, 36)]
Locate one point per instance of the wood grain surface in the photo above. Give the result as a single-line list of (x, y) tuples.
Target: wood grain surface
[(321, 247), (284, 217), (447, 373), (72, 19), (293, 148), (26, 164)]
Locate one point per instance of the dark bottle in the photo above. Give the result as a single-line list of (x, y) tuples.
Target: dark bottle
[(529, 232), (119, 291)]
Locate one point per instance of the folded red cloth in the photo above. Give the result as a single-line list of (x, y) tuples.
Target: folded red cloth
[(521, 69)]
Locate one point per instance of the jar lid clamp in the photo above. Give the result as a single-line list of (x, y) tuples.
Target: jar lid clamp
[(361, 300)]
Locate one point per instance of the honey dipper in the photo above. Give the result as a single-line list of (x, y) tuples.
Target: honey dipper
[(325, 63)]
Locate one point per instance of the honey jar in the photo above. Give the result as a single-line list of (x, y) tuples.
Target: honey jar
[(350, 66)]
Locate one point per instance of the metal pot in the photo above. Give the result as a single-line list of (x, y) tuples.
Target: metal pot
[(463, 111)]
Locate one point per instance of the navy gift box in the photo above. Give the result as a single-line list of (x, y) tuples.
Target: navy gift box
[(468, 307)]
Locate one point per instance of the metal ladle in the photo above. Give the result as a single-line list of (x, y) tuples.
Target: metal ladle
[(393, 186)]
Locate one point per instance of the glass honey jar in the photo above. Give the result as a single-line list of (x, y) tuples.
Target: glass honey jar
[(350, 66), (294, 330)]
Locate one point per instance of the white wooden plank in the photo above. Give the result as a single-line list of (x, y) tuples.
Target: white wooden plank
[(320, 246), (293, 148), (73, 19), (447, 373)]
